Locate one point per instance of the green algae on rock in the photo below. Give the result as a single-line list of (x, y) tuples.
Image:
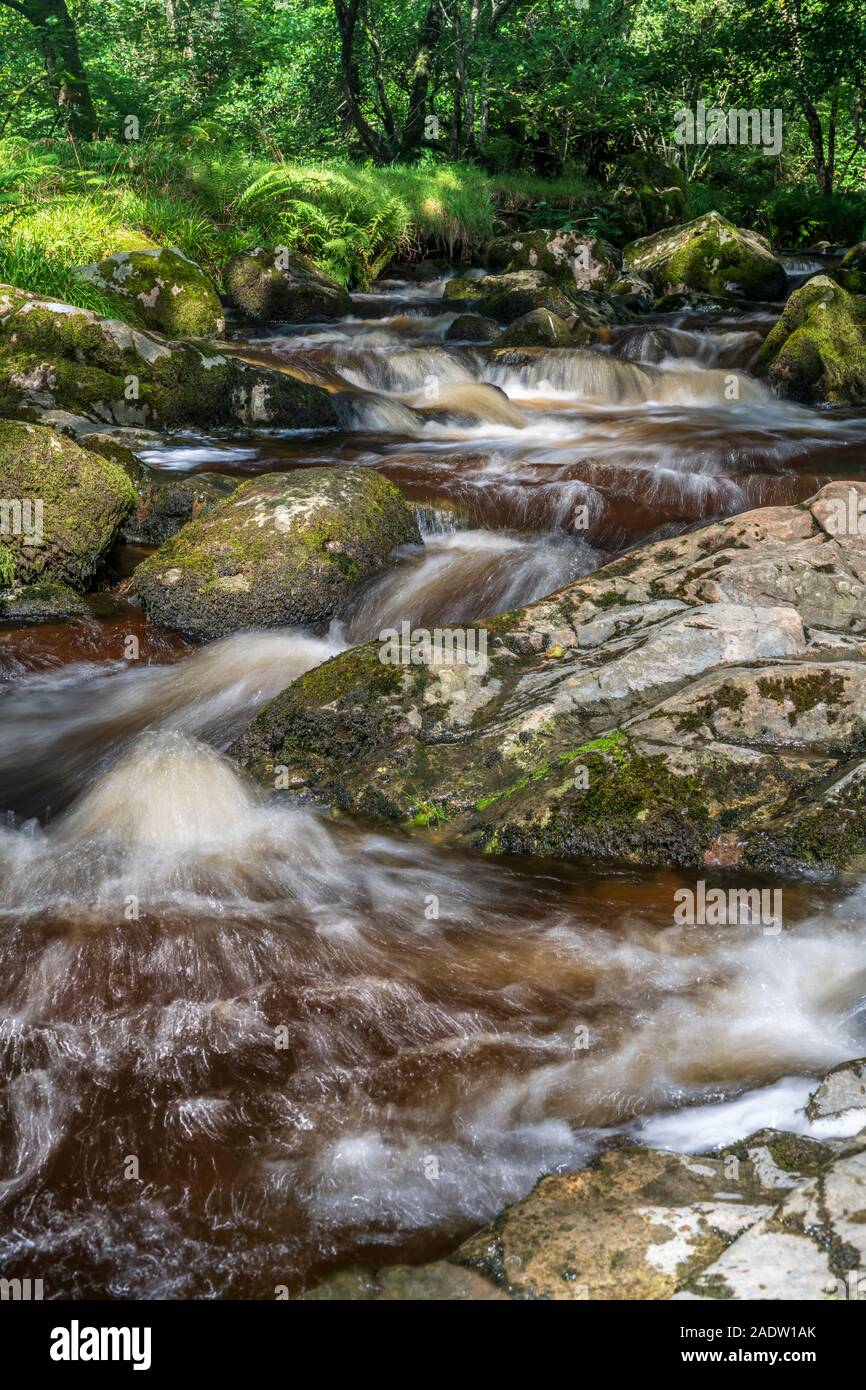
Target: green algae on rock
[(685, 697), (708, 254), (71, 503), (539, 328), (69, 367), (569, 258), (277, 284), (816, 351), (284, 549), (160, 289), (41, 603)]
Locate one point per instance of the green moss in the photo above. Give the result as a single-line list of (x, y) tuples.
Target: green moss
[(7, 568), (803, 692), (816, 352)]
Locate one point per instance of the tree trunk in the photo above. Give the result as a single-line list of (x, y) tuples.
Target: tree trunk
[(59, 44), (413, 130), (347, 23)]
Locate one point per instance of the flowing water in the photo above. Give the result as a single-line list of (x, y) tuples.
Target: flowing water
[(243, 1043)]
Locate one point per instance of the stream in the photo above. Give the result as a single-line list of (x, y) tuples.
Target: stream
[(244, 1044)]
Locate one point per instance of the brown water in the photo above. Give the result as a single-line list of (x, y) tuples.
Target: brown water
[(241, 1043)]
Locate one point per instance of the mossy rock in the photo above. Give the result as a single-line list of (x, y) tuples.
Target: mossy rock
[(508, 297), (68, 365), (75, 500), (276, 285), (652, 171), (284, 549), (850, 273), (159, 289), (539, 328), (471, 328), (569, 258), (636, 293), (462, 290), (708, 254), (7, 567), (816, 351), (41, 603)]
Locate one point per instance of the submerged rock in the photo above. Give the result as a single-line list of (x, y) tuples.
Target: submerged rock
[(694, 694), (816, 351), (280, 285), (70, 367), (284, 549), (708, 254), (160, 289), (63, 507)]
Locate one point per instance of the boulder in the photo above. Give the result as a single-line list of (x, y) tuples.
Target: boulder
[(842, 1092), (508, 297), (63, 506), (569, 258), (283, 286), (71, 368), (816, 351), (159, 289), (284, 549), (539, 328), (850, 273), (708, 254), (678, 704), (471, 328)]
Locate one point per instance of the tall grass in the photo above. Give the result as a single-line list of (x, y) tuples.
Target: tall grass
[(64, 205)]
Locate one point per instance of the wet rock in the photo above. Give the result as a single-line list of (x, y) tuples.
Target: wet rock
[(708, 254), (816, 352), (842, 1091), (472, 328), (284, 286), (636, 293), (159, 289), (165, 503), (701, 687), (63, 506), (693, 303), (539, 328), (72, 368), (637, 1224), (283, 549), (506, 298), (41, 603), (850, 273)]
